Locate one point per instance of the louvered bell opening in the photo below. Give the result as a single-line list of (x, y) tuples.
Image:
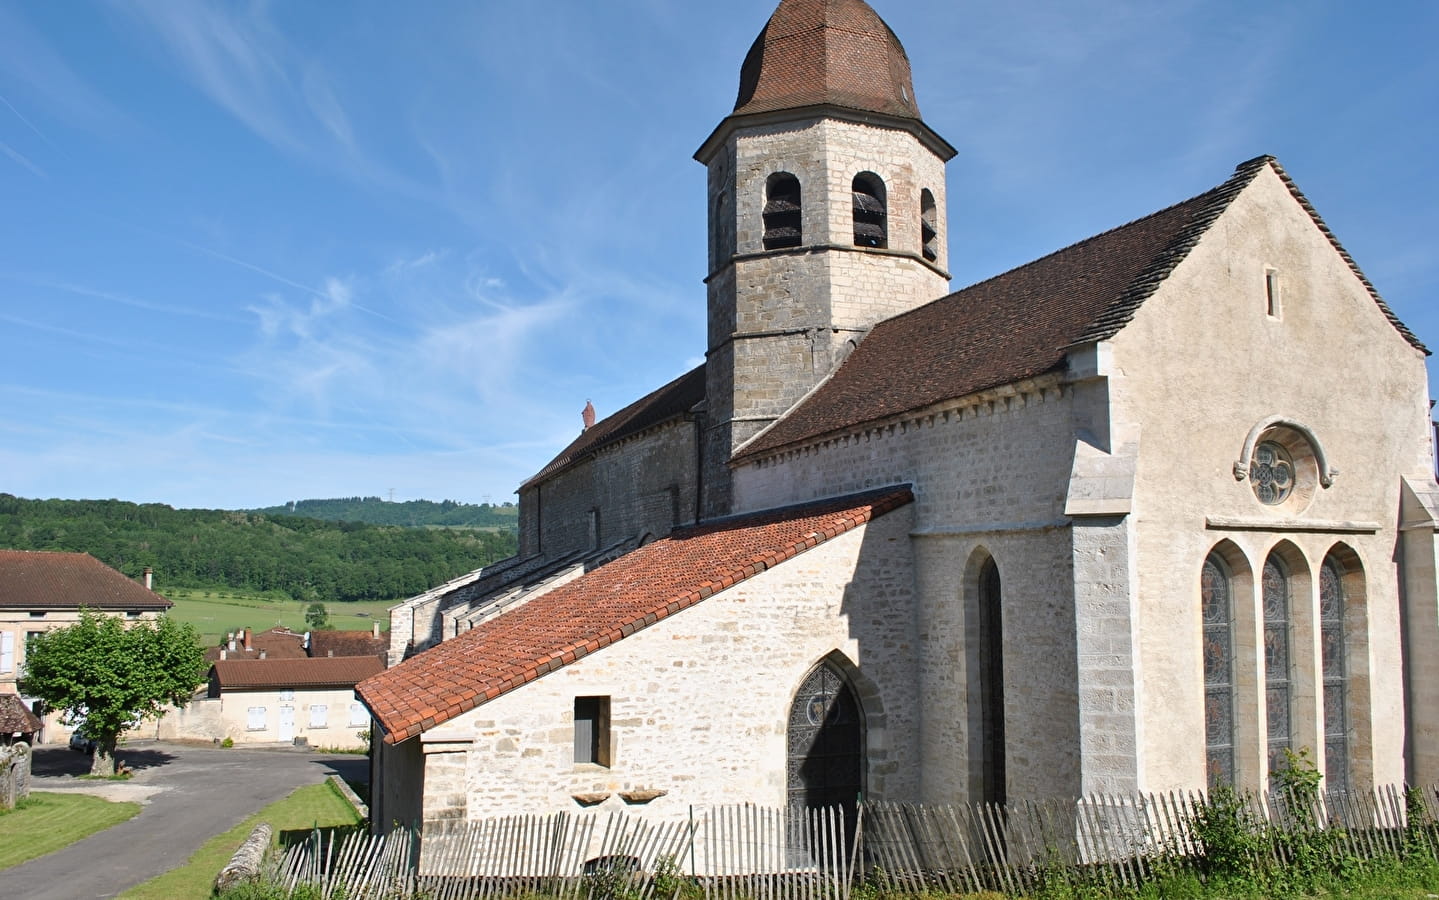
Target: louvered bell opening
[(778, 205), (868, 234), (927, 230), (867, 203)]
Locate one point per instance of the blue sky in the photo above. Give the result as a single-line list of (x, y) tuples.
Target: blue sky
[(256, 252)]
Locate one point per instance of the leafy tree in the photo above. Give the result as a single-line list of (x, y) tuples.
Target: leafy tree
[(112, 676), (317, 617)]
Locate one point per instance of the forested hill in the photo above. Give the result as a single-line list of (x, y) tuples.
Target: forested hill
[(412, 513), (307, 558)]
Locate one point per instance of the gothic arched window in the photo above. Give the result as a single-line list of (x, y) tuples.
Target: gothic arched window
[(928, 225), (871, 226), (783, 225), (1278, 693), (1217, 611), (1336, 676)]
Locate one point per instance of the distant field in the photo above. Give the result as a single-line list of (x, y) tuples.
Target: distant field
[(215, 611)]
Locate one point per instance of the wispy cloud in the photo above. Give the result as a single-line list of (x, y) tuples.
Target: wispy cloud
[(47, 80), (18, 157)]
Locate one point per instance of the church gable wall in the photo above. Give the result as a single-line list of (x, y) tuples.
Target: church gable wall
[(699, 701), (645, 485), (1202, 363)]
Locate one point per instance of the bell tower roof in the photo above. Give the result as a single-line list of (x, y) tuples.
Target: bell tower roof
[(827, 52)]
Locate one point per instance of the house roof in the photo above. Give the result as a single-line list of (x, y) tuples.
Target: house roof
[(41, 579), (277, 643), (668, 402), (348, 643), (15, 717), (1020, 324), (329, 672), (605, 606), (837, 52)]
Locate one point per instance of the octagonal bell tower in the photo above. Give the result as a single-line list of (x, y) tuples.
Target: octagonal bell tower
[(826, 215)]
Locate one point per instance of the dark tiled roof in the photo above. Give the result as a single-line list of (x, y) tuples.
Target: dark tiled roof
[(673, 400), (348, 643), (336, 672), (15, 717), (837, 52), (605, 606), (1017, 325), (277, 643), (34, 579)]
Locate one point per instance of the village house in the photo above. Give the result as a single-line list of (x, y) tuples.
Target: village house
[(43, 590), (1111, 521)]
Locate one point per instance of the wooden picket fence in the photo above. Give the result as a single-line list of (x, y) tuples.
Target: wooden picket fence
[(755, 853)]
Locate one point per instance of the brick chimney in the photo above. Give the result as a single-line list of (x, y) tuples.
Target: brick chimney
[(149, 579), (248, 648), (588, 415)]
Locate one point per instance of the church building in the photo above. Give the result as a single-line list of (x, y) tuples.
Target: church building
[(1116, 520)]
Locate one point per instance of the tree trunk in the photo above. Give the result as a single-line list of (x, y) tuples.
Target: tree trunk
[(102, 763)]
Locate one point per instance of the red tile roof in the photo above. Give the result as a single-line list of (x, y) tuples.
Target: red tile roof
[(1020, 324), (837, 52), (36, 579), (669, 402), (605, 606), (330, 672)]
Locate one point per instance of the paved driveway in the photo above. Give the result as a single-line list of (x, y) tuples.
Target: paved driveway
[(189, 795)]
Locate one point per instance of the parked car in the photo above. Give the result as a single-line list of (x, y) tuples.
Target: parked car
[(80, 741)]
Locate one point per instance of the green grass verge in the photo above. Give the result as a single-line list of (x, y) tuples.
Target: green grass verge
[(216, 611), (45, 822), (316, 804)]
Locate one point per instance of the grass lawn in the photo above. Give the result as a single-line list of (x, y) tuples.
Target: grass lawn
[(316, 804), (47, 822), (216, 611)]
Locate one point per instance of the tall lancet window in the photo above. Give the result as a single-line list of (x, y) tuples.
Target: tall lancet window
[(871, 225), (1217, 611), (1278, 692), (1336, 677), (928, 225), (783, 225)]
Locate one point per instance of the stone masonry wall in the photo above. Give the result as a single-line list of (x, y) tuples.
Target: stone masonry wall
[(699, 700), (645, 485), (990, 476)]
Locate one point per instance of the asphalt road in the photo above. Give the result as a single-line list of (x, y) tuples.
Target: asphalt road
[(189, 795)]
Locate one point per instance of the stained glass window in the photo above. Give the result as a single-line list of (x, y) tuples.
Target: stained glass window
[(1277, 692), (1336, 677), (1217, 611), (1272, 473)]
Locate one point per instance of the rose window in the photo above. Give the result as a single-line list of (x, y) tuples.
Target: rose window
[(1272, 474)]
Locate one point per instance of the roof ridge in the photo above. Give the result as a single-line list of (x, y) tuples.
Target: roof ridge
[(1147, 281)]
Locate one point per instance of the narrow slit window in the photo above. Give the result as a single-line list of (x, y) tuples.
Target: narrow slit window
[(783, 225), (928, 225), (592, 731), (1271, 293), (871, 226)]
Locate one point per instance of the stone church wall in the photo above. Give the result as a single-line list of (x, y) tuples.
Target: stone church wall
[(989, 478), (1201, 364), (699, 701), (644, 485)]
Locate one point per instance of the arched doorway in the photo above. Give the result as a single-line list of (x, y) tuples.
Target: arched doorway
[(826, 743)]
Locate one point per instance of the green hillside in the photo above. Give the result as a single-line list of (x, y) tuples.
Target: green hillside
[(409, 513), (305, 558)]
